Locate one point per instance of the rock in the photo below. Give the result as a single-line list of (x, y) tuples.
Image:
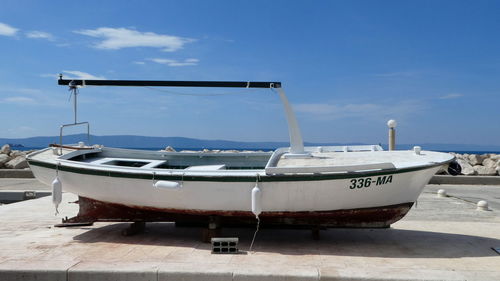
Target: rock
[(5, 149), (495, 157), (484, 171), (498, 170), (442, 171), (466, 168), (490, 163), (4, 158), (15, 153), (17, 163), (476, 159), (169, 149)]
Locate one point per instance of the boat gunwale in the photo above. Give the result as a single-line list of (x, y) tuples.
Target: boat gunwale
[(183, 175)]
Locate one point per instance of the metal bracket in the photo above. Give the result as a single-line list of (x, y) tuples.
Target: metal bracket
[(71, 125)]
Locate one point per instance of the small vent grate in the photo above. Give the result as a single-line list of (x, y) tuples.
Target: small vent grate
[(225, 245)]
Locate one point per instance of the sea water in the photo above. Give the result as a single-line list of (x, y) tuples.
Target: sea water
[(23, 148)]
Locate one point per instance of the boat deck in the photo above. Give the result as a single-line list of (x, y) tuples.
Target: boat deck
[(399, 159), (319, 160)]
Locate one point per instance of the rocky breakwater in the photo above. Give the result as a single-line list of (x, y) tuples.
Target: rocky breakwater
[(479, 164), (12, 159)]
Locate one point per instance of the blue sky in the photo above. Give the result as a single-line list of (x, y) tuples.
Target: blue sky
[(347, 68)]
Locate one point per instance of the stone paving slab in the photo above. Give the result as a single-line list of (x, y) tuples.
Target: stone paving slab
[(16, 173), (470, 180), (22, 184), (440, 239)]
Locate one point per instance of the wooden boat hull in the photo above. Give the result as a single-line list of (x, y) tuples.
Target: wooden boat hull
[(378, 217)]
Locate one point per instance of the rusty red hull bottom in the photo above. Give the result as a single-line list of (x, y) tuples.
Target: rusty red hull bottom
[(378, 217)]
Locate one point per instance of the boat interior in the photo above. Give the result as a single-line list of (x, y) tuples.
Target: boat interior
[(144, 159), (321, 159)]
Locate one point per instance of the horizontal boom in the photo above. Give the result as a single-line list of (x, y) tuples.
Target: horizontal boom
[(143, 83)]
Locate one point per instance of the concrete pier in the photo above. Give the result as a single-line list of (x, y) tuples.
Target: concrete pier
[(440, 239)]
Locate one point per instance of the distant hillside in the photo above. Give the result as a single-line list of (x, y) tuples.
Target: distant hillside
[(131, 141), (148, 142)]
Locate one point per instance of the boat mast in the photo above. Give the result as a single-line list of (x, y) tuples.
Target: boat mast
[(296, 142)]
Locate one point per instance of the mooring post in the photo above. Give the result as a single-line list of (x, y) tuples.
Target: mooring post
[(392, 134)]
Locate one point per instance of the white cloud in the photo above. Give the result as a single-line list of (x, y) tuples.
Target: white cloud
[(72, 74), (50, 75), (118, 38), (139, 62), (170, 62), (362, 110), (7, 30), (75, 74), (451, 96), (396, 74), (24, 91), (18, 100), (40, 35), (20, 131)]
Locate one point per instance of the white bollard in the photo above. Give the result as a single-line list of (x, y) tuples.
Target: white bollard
[(482, 206), (392, 134), (417, 150), (442, 193)]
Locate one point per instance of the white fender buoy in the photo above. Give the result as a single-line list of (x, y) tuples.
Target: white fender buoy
[(482, 206), (56, 193), (167, 184), (256, 201)]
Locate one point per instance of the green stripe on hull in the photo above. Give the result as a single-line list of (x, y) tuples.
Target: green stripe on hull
[(264, 178)]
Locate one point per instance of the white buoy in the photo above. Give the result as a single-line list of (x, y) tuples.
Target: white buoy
[(256, 201), (56, 193), (417, 150), (482, 206), (167, 185), (442, 193)]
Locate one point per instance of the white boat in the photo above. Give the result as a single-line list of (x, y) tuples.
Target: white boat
[(329, 186)]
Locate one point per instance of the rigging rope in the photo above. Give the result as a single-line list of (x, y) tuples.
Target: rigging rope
[(247, 90), (255, 234)]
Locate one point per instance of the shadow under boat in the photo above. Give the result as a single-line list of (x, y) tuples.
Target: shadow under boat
[(383, 243)]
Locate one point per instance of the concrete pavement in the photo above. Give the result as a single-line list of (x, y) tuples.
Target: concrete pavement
[(22, 184), (19, 189), (440, 239), (471, 193)]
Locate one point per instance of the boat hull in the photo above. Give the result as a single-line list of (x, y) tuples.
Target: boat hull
[(377, 217), (371, 199)]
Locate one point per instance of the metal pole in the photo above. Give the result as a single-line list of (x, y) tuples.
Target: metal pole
[(392, 139), (296, 143), (75, 93), (392, 134)]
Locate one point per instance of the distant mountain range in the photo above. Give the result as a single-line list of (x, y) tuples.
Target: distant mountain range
[(130, 141)]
